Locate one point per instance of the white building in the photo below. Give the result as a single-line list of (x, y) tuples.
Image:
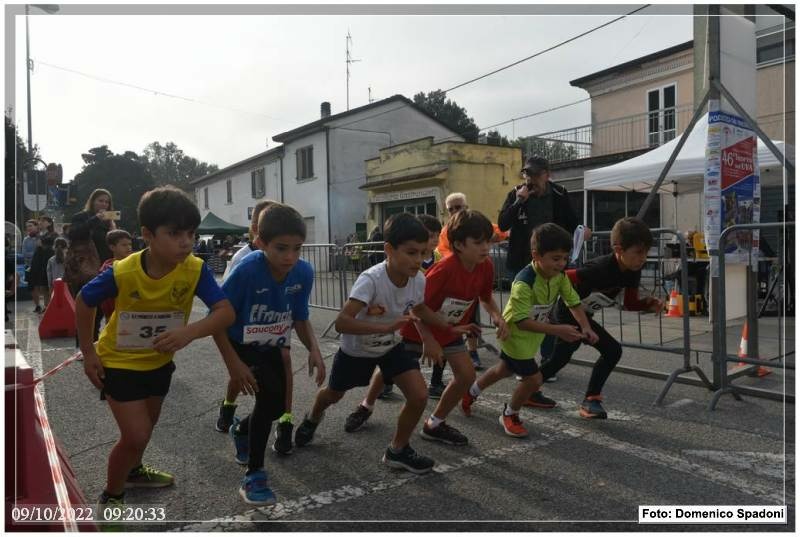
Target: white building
[(319, 168)]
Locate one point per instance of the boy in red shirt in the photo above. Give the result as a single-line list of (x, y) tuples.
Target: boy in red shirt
[(452, 288), (121, 245)]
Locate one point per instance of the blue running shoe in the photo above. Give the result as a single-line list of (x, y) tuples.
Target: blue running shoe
[(240, 443), (254, 489)]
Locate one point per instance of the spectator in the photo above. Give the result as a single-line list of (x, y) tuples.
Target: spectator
[(65, 230), (55, 265), (30, 242), (535, 202), (37, 278), (121, 245)]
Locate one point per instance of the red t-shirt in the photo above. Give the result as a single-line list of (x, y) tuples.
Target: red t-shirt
[(449, 289)]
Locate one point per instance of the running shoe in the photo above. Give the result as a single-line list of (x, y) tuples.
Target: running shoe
[(283, 438), (538, 400), (551, 379), (444, 433), (241, 447), (110, 510), (146, 476), (357, 419), (225, 418), (305, 433), (435, 391), (512, 424), (591, 408), (254, 489), (387, 392), (476, 360), (408, 459), (466, 403)]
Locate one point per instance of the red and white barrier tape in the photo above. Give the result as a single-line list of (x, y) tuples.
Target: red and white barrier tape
[(60, 486), (37, 380)]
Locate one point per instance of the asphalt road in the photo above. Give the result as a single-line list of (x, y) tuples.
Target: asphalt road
[(570, 474)]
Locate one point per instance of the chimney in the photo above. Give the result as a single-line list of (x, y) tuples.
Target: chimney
[(325, 109)]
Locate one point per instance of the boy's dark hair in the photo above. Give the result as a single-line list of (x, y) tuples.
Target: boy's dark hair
[(550, 238), (279, 219), (116, 235), (631, 231), (430, 222), (535, 165), (468, 224), (168, 206), (404, 227), (260, 206)]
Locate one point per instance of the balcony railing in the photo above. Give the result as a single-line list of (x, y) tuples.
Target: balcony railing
[(640, 131)]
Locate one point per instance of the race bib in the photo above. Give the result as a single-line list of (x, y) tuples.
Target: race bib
[(274, 335), (597, 301), (378, 342), (137, 329), (453, 310), (541, 313)]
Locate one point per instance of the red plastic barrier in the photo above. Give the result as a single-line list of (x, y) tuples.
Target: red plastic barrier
[(37, 470), (59, 317)]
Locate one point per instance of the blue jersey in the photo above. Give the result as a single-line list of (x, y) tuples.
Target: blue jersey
[(266, 309)]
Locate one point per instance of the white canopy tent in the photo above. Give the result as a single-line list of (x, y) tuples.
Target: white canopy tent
[(639, 174)]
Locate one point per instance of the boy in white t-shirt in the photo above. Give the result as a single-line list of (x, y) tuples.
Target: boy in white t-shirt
[(384, 298)]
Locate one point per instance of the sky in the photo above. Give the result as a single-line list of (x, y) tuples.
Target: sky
[(242, 79)]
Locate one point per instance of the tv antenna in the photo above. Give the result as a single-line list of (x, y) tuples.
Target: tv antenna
[(348, 60)]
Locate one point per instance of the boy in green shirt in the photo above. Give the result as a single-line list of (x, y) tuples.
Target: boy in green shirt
[(533, 293)]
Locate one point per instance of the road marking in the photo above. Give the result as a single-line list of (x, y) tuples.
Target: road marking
[(766, 464)]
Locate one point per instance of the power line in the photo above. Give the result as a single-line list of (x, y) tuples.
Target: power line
[(157, 93), (546, 50)]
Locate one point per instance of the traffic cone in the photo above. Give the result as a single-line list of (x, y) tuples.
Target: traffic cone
[(674, 305), (59, 317), (761, 371)]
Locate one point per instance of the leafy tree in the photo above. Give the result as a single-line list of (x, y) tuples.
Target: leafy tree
[(494, 138), (553, 151), (449, 113), (123, 175), (168, 164)]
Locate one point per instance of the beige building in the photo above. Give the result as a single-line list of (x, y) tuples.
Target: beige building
[(417, 176)]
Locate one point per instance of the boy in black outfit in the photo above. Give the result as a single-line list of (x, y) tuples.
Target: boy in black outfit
[(606, 281)]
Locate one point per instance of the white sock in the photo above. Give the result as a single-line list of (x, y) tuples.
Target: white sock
[(474, 390), (434, 422), (366, 405), (508, 411)]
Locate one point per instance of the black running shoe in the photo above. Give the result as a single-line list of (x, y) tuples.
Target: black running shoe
[(435, 391), (283, 438), (538, 400), (408, 459), (444, 433), (305, 433), (387, 392), (357, 419), (225, 418)]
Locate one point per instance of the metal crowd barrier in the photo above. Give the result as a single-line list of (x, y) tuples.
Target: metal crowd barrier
[(722, 377)]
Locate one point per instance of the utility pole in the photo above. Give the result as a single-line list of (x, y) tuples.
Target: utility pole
[(348, 60), (369, 93)]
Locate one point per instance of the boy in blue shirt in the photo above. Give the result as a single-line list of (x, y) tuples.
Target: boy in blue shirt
[(269, 289)]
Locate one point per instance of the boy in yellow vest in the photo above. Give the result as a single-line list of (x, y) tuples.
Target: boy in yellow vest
[(132, 361)]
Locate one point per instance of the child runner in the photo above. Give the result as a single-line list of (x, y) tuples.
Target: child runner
[(382, 300), (429, 257), (132, 362), (121, 244), (599, 284), (269, 290), (55, 265), (453, 286), (533, 293), (227, 408)]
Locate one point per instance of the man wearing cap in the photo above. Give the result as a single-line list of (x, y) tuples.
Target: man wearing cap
[(536, 201)]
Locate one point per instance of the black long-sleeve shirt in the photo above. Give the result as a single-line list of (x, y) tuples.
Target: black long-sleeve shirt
[(85, 225)]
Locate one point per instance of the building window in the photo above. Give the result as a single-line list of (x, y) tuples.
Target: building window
[(229, 189), (773, 48), (258, 183), (305, 162), (205, 198), (661, 124)]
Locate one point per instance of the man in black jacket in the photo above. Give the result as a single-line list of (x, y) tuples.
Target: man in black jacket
[(537, 201)]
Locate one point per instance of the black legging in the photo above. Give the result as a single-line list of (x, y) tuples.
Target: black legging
[(610, 353), (267, 367)]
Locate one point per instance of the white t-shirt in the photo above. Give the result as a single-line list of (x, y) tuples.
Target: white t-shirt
[(385, 303), (238, 256)]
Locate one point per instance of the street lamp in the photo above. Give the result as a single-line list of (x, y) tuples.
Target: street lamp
[(50, 9)]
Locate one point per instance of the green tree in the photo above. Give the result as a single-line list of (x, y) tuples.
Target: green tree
[(494, 138), (449, 113), (123, 175), (169, 165)]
